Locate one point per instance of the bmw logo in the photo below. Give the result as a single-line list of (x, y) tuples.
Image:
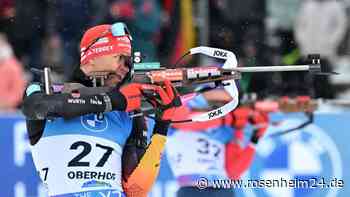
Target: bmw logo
[(93, 123)]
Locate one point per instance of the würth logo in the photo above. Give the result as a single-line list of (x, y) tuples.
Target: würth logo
[(220, 53)]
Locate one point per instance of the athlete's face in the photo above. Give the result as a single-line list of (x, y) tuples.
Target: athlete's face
[(115, 65)]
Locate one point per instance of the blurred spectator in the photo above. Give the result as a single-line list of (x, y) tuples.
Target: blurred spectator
[(231, 20), (239, 26), (52, 57), (12, 77), (143, 19), (282, 13), (52, 53), (7, 12), (260, 83), (68, 20), (7, 9), (280, 24), (170, 30), (25, 29), (320, 27), (344, 48)]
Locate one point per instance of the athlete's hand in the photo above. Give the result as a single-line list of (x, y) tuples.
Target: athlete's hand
[(167, 102), (261, 122), (165, 106), (133, 95)]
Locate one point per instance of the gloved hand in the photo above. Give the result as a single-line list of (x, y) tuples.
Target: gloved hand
[(260, 120), (168, 100), (128, 98), (165, 107), (133, 95)]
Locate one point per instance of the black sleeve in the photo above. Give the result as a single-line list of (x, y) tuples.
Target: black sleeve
[(135, 147), (35, 130), (40, 106)]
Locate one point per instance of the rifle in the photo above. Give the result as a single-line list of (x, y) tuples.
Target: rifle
[(287, 105), (213, 77), (300, 104)]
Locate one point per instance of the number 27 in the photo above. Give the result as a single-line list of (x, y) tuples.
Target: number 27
[(86, 150)]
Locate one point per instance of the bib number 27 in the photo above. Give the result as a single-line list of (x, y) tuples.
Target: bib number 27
[(76, 161)]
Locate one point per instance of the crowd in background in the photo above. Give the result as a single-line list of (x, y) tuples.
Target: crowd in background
[(260, 32)]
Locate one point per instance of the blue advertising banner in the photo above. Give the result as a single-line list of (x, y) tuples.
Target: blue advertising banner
[(309, 162), (18, 175)]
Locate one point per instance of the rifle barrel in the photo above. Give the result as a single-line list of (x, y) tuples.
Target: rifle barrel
[(273, 68)]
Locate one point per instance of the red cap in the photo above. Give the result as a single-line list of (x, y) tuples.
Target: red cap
[(105, 45)]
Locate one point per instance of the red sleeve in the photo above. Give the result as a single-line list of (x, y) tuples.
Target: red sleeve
[(238, 159)]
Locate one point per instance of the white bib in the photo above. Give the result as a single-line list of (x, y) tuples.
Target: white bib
[(193, 153), (78, 163)]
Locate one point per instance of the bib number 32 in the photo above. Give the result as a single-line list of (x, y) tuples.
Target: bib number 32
[(207, 148)]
